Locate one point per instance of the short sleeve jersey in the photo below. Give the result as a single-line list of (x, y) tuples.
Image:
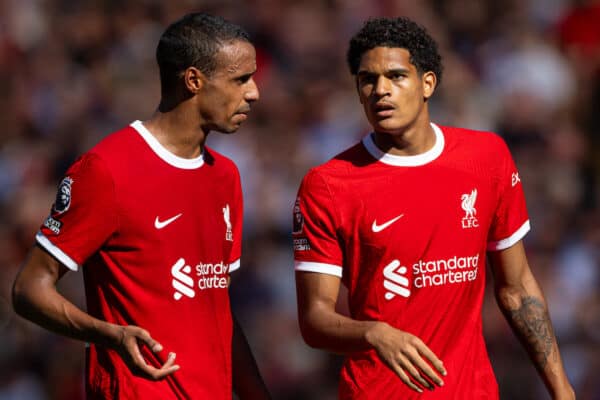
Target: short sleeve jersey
[(408, 236), (157, 236)]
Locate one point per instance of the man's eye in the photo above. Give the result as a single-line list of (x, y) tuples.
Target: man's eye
[(366, 80)]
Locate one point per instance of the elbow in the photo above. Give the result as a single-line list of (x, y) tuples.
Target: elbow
[(310, 333), (309, 337), (21, 298), (34, 284), (515, 297), (508, 297)]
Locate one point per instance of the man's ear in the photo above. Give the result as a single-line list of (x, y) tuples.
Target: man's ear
[(193, 79), (429, 83)]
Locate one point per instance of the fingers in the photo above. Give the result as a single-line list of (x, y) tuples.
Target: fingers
[(167, 368), (417, 367), (145, 337), (407, 366), (148, 371), (432, 358), (156, 374), (136, 360), (414, 363), (404, 378)]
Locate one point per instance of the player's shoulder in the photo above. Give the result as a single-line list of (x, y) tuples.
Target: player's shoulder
[(120, 143), (479, 136), (484, 143), (343, 163), (213, 158), (211, 155), (109, 147), (336, 172)]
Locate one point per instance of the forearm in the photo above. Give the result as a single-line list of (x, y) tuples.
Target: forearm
[(323, 328), (247, 381), (526, 311), (57, 314), (35, 298)]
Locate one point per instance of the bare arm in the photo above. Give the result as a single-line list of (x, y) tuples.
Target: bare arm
[(35, 298), (322, 327), (247, 381), (524, 306)]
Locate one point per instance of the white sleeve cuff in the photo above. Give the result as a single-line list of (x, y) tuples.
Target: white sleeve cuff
[(234, 265), (322, 268), (511, 240), (56, 252)]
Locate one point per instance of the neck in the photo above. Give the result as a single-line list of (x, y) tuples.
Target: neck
[(177, 131), (415, 139)]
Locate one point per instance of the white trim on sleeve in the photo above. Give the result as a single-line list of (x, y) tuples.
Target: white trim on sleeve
[(322, 268), (56, 252), (511, 240), (234, 265)]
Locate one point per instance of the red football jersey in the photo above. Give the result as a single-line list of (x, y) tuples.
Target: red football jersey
[(157, 236), (408, 236)]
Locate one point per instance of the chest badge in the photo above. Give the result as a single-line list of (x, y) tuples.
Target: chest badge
[(227, 218), (468, 205)]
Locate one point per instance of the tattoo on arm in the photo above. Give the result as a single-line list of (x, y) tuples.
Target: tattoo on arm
[(532, 323)]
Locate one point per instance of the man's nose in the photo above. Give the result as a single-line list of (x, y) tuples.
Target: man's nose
[(252, 94), (382, 86)]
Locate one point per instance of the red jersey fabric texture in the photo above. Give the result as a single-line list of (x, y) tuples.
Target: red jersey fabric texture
[(157, 236), (408, 236)]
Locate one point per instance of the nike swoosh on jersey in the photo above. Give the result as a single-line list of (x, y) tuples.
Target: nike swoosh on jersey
[(161, 224), (378, 228)]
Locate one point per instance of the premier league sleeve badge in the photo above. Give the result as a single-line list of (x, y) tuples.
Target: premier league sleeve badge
[(298, 218), (63, 196)]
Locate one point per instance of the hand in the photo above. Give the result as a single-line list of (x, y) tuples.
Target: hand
[(128, 347), (407, 356)]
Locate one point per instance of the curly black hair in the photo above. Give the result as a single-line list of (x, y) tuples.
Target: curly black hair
[(396, 32), (194, 40)]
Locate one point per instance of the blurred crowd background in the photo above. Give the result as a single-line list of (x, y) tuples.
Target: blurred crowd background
[(73, 71)]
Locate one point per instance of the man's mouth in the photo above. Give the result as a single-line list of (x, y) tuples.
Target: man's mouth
[(383, 109), (242, 114)]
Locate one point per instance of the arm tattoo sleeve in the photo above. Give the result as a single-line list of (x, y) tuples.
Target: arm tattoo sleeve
[(532, 324)]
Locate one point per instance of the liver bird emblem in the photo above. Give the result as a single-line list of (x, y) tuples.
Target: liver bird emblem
[(468, 203), (226, 216)]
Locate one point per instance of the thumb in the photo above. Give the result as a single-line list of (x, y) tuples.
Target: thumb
[(145, 337)]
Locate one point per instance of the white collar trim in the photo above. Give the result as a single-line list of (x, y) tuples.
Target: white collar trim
[(163, 153), (406, 161)]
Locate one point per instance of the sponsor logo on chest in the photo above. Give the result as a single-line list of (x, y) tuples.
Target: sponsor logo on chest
[(209, 276), (428, 274)]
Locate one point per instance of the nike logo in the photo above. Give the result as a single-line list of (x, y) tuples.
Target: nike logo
[(161, 224), (378, 228)]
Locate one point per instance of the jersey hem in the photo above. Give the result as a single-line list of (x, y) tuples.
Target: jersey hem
[(322, 268), (56, 252), (511, 240)]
